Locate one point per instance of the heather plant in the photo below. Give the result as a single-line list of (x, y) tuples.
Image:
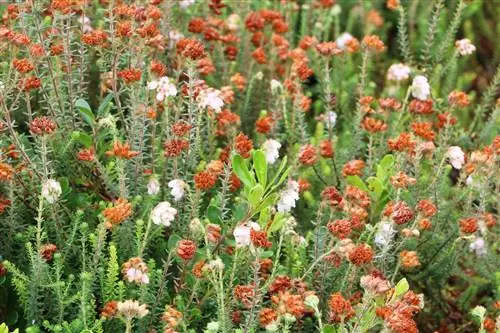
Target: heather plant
[(249, 166)]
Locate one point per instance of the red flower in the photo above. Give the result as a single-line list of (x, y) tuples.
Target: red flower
[(308, 155), (186, 249), (243, 145), (130, 75), (361, 254), (204, 180)]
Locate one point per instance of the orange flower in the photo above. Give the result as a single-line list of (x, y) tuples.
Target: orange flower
[(468, 225), (204, 180), (196, 25), (353, 168), (409, 259), (392, 4), (181, 128), (130, 75), (243, 145), (427, 208), (22, 65), (267, 316), (423, 130), (42, 125), (264, 124), (109, 309), (401, 213), (6, 171), (86, 155), (459, 99), (47, 251), (244, 294), (171, 317), (340, 228), (308, 155), (418, 106), (191, 48), (403, 142), (331, 195), (328, 49), (259, 55), (95, 37), (186, 249), (121, 150), (115, 215), (373, 125), (259, 239), (340, 308), (325, 148), (373, 44), (239, 81), (175, 147), (361, 254)]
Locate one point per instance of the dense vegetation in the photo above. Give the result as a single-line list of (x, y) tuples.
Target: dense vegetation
[(249, 166)]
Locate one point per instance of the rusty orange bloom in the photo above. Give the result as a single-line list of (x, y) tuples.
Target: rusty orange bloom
[(118, 213), (121, 150)]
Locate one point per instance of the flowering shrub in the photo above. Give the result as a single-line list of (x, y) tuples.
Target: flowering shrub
[(249, 166)]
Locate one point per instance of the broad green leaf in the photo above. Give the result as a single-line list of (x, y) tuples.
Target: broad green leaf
[(83, 138), (105, 104), (255, 195), (357, 182), (268, 201), (384, 167), (214, 214), (260, 167), (85, 111), (241, 170), (277, 224), (329, 329), (375, 186), (401, 288)]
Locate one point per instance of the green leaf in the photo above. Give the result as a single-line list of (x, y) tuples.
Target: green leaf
[(260, 167), (329, 329), (384, 167), (85, 111), (105, 105), (241, 170), (214, 214), (357, 182), (375, 186), (401, 288), (172, 242), (83, 138), (255, 195), (268, 201), (278, 222)]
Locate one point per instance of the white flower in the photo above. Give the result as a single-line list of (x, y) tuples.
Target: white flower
[(288, 197), (51, 190), (216, 265), (136, 275), (153, 186), (312, 301), (164, 88), (259, 76), (132, 309), (233, 22), (465, 47), (213, 327), (398, 72), (336, 10), (276, 86), (272, 327), (242, 233), (186, 3), (473, 183), (330, 119), (2, 86), (456, 156), (385, 233), (178, 186), (173, 38), (342, 40), (85, 22), (478, 245), (211, 98), (163, 214), (420, 88), (271, 150)]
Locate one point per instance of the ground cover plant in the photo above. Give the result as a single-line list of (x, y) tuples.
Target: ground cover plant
[(249, 166)]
